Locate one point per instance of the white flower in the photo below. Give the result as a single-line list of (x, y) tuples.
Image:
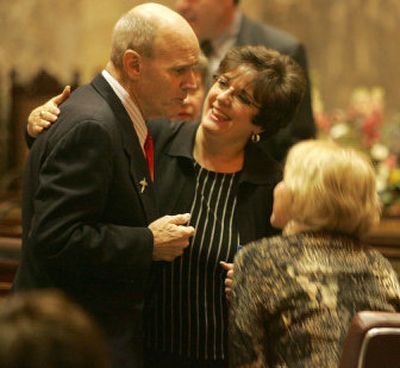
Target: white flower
[(379, 152), (339, 130), (382, 174)]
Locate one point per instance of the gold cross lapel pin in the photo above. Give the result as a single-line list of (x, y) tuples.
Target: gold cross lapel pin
[(143, 185)]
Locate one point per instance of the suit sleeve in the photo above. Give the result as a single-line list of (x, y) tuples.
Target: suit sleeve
[(68, 231)]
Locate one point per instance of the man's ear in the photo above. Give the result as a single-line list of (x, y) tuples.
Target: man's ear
[(132, 64)]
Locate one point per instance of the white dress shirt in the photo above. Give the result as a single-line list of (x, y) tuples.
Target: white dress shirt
[(132, 109)]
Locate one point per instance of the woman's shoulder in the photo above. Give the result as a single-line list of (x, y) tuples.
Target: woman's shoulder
[(281, 250), (381, 264), (269, 250)]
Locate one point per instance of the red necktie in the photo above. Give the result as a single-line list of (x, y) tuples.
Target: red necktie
[(149, 151)]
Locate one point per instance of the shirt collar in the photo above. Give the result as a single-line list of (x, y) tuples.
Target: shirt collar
[(259, 167), (132, 109)]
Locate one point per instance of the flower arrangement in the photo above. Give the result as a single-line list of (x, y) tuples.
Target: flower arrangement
[(364, 126)]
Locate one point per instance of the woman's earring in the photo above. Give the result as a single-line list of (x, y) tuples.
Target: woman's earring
[(255, 137)]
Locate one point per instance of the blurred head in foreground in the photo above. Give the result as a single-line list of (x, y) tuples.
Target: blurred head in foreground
[(46, 329)]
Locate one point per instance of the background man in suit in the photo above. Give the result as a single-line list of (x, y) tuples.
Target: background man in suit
[(220, 25), (89, 211)]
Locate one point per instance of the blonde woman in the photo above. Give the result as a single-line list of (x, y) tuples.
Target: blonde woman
[(294, 295)]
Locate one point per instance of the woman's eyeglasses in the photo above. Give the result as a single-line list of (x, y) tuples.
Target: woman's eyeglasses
[(240, 96)]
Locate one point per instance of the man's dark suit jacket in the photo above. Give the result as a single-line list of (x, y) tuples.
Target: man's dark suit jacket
[(302, 126), (85, 216)]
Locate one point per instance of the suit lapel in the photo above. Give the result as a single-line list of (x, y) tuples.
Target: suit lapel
[(139, 171)]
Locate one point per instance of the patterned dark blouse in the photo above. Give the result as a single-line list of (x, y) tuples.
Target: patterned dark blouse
[(294, 297)]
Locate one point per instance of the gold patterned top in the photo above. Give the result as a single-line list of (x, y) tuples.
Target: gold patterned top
[(294, 298)]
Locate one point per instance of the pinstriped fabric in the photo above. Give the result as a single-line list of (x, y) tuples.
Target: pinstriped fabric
[(190, 308)]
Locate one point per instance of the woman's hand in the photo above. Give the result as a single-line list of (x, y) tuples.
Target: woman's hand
[(229, 278), (45, 115)]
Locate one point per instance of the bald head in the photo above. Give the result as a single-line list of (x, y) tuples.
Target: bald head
[(142, 25), (159, 14), (154, 53)]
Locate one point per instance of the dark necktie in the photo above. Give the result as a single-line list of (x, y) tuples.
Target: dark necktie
[(206, 47), (149, 151)]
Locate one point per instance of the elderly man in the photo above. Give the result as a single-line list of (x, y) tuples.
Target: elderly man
[(90, 222), (220, 25)]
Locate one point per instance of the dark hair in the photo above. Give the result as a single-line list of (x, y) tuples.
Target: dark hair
[(45, 329), (278, 85), (235, 2)]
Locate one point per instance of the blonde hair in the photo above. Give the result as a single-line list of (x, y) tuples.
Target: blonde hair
[(331, 188)]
